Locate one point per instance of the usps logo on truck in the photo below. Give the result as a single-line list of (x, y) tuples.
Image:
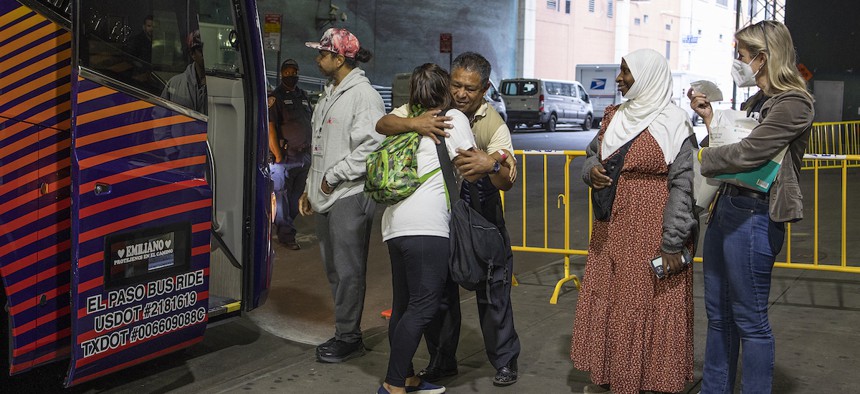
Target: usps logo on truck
[(598, 84)]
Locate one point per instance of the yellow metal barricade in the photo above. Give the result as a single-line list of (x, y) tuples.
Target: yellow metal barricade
[(833, 138), (817, 163), (842, 163), (563, 199)]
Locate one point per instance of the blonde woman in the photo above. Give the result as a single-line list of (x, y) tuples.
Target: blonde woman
[(747, 227)]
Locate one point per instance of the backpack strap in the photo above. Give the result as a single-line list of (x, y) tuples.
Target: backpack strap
[(447, 170)]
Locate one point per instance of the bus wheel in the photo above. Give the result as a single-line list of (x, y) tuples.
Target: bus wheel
[(550, 124)]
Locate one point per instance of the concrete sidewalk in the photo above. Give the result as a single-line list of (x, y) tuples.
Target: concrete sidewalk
[(814, 315)]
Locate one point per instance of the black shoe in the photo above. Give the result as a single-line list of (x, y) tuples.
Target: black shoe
[(289, 244), (505, 376), (323, 346), (340, 351), (435, 374)]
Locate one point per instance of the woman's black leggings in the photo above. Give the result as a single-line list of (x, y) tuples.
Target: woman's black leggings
[(419, 271)]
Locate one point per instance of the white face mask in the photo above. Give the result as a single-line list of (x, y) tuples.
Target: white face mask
[(743, 74)]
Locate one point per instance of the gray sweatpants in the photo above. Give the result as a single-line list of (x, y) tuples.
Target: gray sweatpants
[(344, 235)]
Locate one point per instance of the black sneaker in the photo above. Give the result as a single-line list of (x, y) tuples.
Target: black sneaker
[(321, 347), (340, 351), (506, 375), (435, 374)]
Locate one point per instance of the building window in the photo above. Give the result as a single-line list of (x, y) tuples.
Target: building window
[(591, 6), (645, 18), (668, 27), (637, 21), (552, 4), (724, 3), (668, 50), (567, 6), (610, 9)]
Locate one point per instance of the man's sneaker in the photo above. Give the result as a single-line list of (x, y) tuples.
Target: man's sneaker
[(425, 387), (505, 376), (340, 351), (435, 374), (324, 345)]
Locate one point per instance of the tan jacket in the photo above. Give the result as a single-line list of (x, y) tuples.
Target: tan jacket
[(786, 119)]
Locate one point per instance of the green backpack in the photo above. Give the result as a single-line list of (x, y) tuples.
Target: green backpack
[(392, 169)]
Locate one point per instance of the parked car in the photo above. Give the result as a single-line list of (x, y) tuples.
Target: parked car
[(546, 102), (495, 100)]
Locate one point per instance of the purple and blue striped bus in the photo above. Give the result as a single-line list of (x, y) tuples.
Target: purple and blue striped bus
[(135, 200)]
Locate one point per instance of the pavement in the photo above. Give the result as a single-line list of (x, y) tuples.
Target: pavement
[(814, 317)]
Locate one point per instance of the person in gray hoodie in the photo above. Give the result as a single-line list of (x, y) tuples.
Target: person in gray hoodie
[(344, 134)]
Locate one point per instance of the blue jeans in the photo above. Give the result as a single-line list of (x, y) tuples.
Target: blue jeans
[(289, 184), (741, 245)]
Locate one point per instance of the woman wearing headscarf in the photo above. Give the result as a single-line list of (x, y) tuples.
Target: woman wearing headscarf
[(633, 331), (747, 227)]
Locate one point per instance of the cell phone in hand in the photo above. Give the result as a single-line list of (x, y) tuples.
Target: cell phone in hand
[(657, 263)]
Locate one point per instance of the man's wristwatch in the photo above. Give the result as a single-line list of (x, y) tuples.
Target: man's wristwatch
[(496, 168)]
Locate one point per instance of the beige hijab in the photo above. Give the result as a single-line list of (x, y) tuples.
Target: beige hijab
[(649, 105)]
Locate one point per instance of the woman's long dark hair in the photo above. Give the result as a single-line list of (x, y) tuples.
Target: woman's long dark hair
[(429, 87)]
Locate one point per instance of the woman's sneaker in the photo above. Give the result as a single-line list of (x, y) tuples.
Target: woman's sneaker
[(425, 387)]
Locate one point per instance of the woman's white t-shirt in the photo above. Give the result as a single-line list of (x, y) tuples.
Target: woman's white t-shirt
[(426, 212)]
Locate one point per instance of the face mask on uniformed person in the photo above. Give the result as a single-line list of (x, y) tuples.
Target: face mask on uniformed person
[(290, 82), (743, 74)]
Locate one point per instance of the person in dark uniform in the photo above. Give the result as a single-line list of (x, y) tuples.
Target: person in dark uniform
[(289, 140)]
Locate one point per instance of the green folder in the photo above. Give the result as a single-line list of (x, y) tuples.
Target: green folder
[(759, 179)]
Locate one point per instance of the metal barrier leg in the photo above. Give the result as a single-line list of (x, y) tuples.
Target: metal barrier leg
[(567, 278)]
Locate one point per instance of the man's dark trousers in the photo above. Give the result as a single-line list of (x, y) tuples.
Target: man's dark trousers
[(496, 315)]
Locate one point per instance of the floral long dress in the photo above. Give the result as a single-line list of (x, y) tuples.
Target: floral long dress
[(632, 330)]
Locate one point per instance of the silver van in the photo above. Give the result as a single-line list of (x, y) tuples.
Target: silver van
[(546, 102)]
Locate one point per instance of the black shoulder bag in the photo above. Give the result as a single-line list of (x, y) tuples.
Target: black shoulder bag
[(602, 200), (477, 246)]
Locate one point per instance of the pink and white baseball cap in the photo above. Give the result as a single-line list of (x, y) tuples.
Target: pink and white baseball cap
[(337, 40)]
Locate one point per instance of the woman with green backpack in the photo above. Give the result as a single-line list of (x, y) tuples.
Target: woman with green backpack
[(416, 231)]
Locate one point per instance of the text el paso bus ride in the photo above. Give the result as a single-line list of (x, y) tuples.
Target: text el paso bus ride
[(135, 200)]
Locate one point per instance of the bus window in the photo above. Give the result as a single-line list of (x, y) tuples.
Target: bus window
[(151, 45)]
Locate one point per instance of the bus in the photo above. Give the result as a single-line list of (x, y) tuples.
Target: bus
[(135, 200)]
